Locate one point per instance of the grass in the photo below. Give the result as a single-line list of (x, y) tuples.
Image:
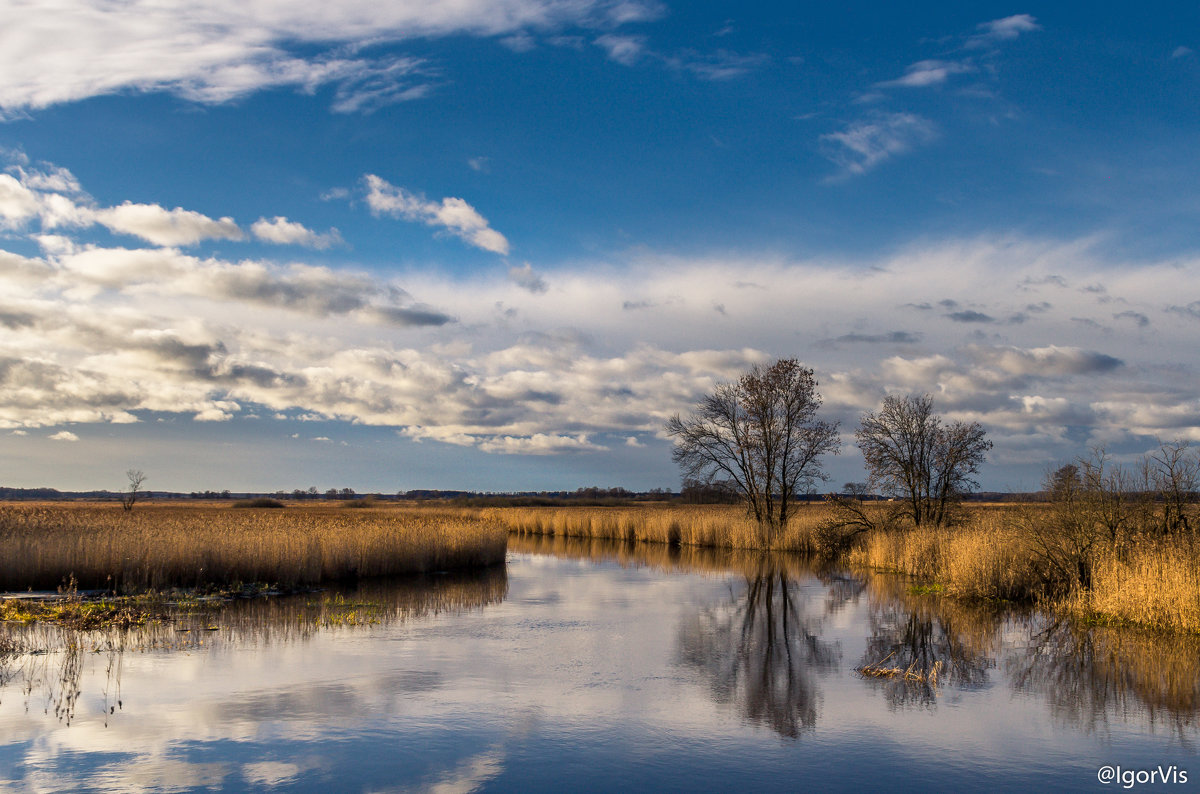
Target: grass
[(162, 546)]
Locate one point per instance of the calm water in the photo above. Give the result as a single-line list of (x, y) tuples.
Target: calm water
[(592, 667)]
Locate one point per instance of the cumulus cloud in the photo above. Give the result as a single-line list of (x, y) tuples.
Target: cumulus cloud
[(220, 50), (65, 435), (280, 230), (161, 226), (108, 334), (863, 145), (17, 202), (452, 214)]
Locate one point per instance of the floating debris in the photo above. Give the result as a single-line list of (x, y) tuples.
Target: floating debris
[(909, 674)]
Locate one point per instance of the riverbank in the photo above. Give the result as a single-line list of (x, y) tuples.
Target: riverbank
[(994, 552)]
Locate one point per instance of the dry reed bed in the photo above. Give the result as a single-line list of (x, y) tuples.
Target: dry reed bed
[(158, 546), (1153, 583), (715, 526)]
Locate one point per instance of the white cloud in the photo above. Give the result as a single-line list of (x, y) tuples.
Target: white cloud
[(161, 226), (540, 444), (453, 214), (928, 73), (217, 50), (865, 144), (1005, 29), (625, 50), (17, 202), (95, 334), (1181, 52), (280, 230), (65, 435)]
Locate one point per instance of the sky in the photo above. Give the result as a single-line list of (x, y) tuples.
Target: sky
[(494, 244)]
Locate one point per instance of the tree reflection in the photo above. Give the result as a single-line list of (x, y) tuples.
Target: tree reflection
[(760, 651), (919, 631), (1091, 674)]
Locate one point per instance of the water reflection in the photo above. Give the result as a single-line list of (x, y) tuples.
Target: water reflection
[(762, 651), (49, 661), (1091, 675), (918, 631)]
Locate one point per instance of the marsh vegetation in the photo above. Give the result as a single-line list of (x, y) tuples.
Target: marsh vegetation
[(163, 546)]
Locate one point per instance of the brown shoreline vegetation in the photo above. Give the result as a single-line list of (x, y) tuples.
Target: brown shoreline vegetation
[(1024, 553), (163, 546)]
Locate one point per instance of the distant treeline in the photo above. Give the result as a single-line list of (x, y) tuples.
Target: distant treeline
[(691, 493)]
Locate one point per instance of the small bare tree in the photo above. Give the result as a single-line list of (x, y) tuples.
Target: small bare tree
[(130, 496), (1173, 473), (911, 455), (761, 437)]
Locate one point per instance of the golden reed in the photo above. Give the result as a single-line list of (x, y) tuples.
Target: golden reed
[(158, 546)]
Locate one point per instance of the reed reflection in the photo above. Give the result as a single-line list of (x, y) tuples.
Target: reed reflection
[(49, 662), (1092, 675), (762, 650)]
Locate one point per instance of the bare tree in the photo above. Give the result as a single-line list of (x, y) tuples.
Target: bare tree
[(760, 436), (911, 455), (1173, 472), (130, 497)]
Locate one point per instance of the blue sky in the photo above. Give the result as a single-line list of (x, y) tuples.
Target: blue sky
[(493, 245)]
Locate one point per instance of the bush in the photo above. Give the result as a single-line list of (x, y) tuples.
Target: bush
[(263, 502)]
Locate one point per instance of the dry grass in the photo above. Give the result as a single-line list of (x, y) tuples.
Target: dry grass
[(158, 546), (715, 526), (982, 558), (908, 674), (1152, 584)]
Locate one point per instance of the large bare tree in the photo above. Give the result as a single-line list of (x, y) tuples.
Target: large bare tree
[(911, 455), (760, 435)]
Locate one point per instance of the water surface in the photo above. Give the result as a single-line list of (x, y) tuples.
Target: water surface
[(599, 667)]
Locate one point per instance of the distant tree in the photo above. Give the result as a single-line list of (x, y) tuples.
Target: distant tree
[(913, 456), (856, 490), (761, 437), (1063, 483), (132, 494)]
